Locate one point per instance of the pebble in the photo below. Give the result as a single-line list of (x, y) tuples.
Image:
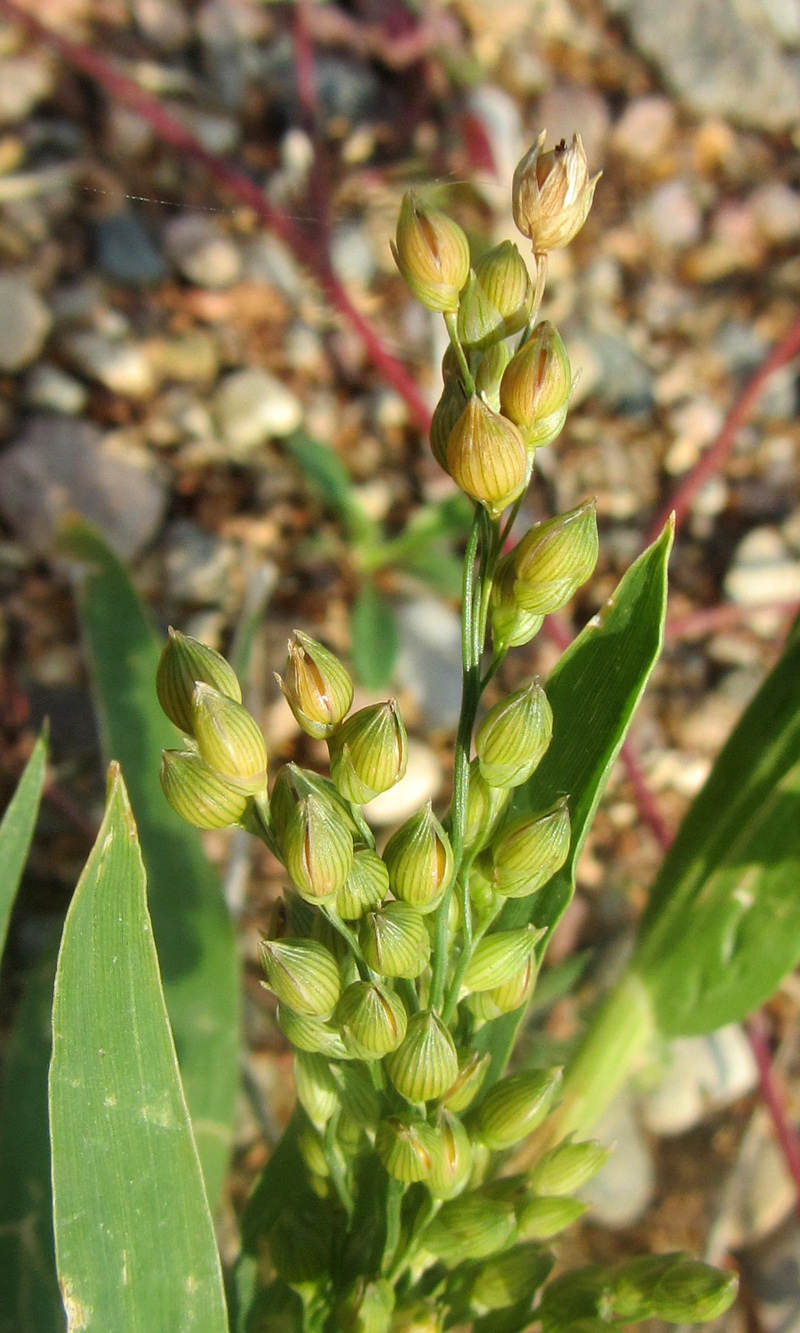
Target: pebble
[(777, 210), (621, 1191), (429, 659), (199, 568), (693, 426), (645, 128), (268, 260), (717, 62), (189, 358), (760, 1193), (672, 215), (571, 108), (24, 82), (122, 367), (763, 569), (60, 466), (52, 390), (25, 322), (126, 251), (163, 23), (624, 382), (704, 1075), (422, 782), (352, 255), (201, 252), (252, 406)]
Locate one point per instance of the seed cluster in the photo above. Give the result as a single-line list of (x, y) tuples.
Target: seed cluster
[(386, 966)]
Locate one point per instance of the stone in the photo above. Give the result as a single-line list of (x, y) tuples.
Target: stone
[(763, 569), (672, 215), (777, 210), (252, 406), (198, 567), (352, 255), (163, 23), (429, 659), (189, 358), (621, 380), (126, 251), (717, 62), (59, 467), (201, 252), (422, 782), (621, 1191), (24, 82), (570, 108), (52, 390), (645, 128), (704, 1075), (760, 1193), (123, 367), (25, 322)]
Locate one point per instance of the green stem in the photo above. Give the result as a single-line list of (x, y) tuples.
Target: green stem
[(394, 1204), (350, 938), (538, 297), (334, 1164), (461, 765), (452, 331)]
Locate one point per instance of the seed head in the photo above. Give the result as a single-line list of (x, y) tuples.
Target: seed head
[(317, 850), (372, 1020), (184, 663), (514, 736), (486, 456), (516, 1105), (536, 387), (551, 194), (529, 851), (432, 253), (317, 688), (369, 752), (303, 974), (425, 1064), (554, 558), (420, 860), (198, 793), (406, 1149), (228, 738), (394, 940)]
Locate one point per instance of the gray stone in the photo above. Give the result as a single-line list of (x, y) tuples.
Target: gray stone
[(126, 252), (52, 390), (60, 467), (24, 322), (429, 661), (252, 406), (198, 566), (704, 1075), (202, 252), (622, 1189), (717, 62), (763, 569), (123, 367), (623, 382), (24, 81)]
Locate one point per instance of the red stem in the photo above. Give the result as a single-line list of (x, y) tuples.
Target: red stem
[(712, 459), (785, 1132), (126, 91), (711, 619)]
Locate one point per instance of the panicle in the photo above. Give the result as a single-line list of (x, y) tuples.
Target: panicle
[(419, 859), (372, 1020), (486, 456), (554, 558), (369, 752), (432, 253), (303, 974), (425, 1064), (228, 738), (514, 736), (537, 385), (527, 852), (515, 1106), (198, 793)]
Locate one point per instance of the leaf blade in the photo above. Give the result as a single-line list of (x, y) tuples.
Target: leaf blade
[(135, 1244), (193, 930), (722, 926), (373, 636), (16, 830)]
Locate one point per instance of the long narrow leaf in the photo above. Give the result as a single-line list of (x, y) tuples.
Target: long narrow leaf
[(193, 931), (30, 1301), (722, 927), (16, 831), (134, 1238), (594, 691)]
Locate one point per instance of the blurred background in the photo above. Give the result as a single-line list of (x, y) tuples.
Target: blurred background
[(198, 387)]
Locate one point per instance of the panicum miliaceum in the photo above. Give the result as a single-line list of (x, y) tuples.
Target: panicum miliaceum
[(405, 1214)]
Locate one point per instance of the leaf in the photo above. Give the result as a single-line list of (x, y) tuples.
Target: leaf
[(31, 1301), (135, 1243), (16, 831), (722, 927), (329, 478), (282, 1184), (373, 637), (594, 691), (193, 930), (435, 564)]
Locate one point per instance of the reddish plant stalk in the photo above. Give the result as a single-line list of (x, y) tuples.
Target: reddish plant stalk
[(772, 1098), (713, 458), (124, 90), (712, 619)]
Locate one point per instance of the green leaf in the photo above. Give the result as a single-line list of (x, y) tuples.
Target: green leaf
[(373, 637), (135, 1243), (593, 691), (193, 930), (329, 478), (282, 1184), (16, 831), (435, 564), (31, 1301), (722, 927)]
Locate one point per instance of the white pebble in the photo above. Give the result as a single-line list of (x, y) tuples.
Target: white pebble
[(24, 322), (252, 406), (421, 783)]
